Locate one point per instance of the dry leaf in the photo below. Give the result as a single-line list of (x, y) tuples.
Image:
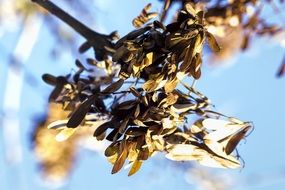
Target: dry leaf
[(113, 87), (59, 124), (212, 42), (79, 114), (135, 167), (233, 141), (190, 9), (120, 161), (64, 134)]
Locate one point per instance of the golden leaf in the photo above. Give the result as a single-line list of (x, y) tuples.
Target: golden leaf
[(158, 142), (139, 123), (214, 124), (171, 98), (216, 147), (184, 152), (112, 149), (212, 42), (161, 84), (112, 159), (190, 9), (136, 68), (167, 123), (148, 59), (233, 141), (150, 85), (224, 132), (133, 152), (60, 124), (144, 16), (197, 127), (183, 107), (65, 134), (154, 97), (171, 85), (198, 46), (120, 161), (135, 167), (216, 162)]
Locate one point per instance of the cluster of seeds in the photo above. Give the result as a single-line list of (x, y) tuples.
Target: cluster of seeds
[(133, 94)]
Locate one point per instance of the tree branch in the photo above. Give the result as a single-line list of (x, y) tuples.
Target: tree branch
[(82, 29), (98, 41)]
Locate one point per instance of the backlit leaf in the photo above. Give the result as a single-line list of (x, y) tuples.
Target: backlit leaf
[(58, 124), (64, 134), (233, 141), (190, 9), (182, 107), (112, 149), (214, 124), (171, 85), (135, 167), (216, 162), (212, 42), (120, 161), (150, 85), (224, 132), (184, 152)]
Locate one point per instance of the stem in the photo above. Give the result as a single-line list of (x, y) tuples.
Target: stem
[(194, 83), (122, 92)]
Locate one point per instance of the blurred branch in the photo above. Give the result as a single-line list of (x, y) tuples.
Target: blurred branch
[(13, 91)]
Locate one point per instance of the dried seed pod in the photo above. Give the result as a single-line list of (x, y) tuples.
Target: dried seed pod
[(144, 17), (151, 114)]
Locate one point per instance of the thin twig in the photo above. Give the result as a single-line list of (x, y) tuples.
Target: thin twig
[(193, 83)]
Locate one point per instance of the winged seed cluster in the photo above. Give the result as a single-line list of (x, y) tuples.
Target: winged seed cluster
[(142, 111), (244, 16)]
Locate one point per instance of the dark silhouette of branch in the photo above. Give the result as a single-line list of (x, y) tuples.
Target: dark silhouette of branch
[(94, 39), (82, 29)]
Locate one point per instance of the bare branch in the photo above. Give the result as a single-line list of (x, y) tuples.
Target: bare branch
[(94, 39), (82, 29)]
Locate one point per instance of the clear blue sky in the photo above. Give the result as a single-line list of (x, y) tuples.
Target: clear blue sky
[(248, 90)]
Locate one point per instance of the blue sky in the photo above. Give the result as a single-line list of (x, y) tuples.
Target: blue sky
[(247, 89)]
